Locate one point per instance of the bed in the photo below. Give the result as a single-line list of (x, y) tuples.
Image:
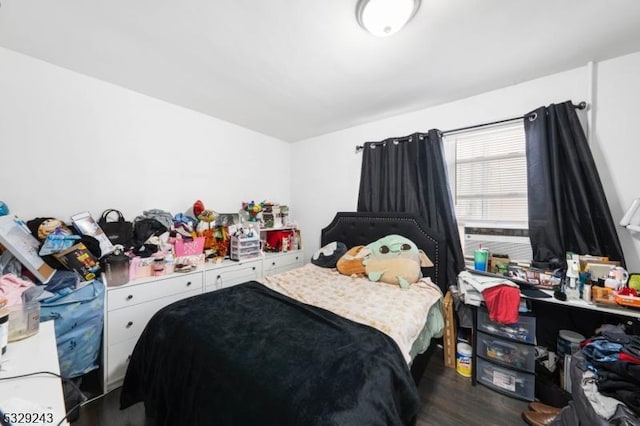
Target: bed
[(251, 354)]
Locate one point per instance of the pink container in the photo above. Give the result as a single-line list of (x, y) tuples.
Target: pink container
[(189, 248)]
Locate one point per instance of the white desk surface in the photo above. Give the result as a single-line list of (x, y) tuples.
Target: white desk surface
[(617, 310), (35, 353)]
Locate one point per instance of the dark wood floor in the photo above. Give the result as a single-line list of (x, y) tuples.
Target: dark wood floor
[(448, 399)]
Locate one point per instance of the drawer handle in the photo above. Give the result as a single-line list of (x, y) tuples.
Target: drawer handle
[(218, 277), (253, 269), (296, 257), (188, 283), (273, 263), (129, 297), (129, 324)]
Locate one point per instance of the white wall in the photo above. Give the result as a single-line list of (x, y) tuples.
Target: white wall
[(327, 171), (71, 143), (616, 142)]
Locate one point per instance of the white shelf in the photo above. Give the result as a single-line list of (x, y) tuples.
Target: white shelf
[(282, 228)]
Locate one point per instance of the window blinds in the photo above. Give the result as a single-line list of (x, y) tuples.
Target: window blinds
[(488, 173)]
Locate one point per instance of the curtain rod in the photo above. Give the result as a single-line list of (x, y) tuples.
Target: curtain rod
[(581, 105)]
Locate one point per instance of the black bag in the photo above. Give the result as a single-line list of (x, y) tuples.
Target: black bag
[(146, 228), (119, 231)]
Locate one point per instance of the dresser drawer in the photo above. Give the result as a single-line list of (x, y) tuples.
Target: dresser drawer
[(522, 331), (281, 263), (161, 287), (127, 323), (510, 382), (217, 279), (506, 353), (118, 357)]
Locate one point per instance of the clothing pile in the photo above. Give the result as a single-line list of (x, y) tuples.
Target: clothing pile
[(605, 377), (614, 357)]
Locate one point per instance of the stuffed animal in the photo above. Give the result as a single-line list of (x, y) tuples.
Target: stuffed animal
[(206, 218), (351, 263), (42, 227), (396, 260), (328, 256)]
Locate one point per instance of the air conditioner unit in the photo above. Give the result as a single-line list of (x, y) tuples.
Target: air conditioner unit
[(511, 239)]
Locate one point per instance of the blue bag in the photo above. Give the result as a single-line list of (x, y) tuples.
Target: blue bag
[(79, 318)]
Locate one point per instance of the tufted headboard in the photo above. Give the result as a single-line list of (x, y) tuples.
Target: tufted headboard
[(354, 229)]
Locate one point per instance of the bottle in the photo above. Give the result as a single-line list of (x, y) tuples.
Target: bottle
[(586, 293), (480, 259), (158, 266)]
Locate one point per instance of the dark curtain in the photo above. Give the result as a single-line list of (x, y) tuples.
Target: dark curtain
[(409, 175), (568, 210)]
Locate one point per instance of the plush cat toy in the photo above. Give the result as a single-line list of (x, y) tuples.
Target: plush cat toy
[(396, 260)]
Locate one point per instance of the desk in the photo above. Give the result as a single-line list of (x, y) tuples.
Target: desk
[(614, 310), (547, 326), (35, 353)]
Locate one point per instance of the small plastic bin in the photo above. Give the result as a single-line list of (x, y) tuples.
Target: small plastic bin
[(509, 354), (522, 331), (244, 248), (510, 382), (24, 320)]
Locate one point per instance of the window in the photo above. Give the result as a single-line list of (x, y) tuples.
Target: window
[(488, 173)]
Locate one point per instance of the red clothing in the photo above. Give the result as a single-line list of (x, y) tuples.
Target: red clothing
[(502, 302), (626, 357)]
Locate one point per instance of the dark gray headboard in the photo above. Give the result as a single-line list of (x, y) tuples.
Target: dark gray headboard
[(356, 229)]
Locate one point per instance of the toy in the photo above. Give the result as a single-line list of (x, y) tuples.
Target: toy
[(207, 217), (42, 227), (351, 263), (395, 259), (328, 256)]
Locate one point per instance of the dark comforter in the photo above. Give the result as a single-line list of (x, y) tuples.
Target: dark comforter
[(247, 355)]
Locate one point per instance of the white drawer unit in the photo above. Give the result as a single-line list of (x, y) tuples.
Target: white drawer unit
[(128, 323), (128, 308), (117, 359), (219, 278), (132, 294), (277, 263), (127, 311), (242, 248)]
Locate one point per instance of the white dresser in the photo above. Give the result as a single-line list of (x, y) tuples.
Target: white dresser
[(129, 307), (281, 262)]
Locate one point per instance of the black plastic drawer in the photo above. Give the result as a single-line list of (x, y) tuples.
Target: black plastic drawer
[(507, 353), (522, 331)]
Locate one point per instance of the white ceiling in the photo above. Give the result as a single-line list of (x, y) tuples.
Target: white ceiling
[(294, 69)]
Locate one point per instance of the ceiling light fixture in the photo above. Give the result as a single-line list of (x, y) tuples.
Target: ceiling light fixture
[(385, 17)]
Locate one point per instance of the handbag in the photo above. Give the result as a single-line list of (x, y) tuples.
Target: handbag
[(119, 231)]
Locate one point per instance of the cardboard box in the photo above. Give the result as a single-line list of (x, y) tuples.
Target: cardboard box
[(449, 337)]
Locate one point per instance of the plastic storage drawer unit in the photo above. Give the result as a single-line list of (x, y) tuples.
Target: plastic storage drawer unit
[(507, 353), (522, 331), (510, 382), (244, 248)]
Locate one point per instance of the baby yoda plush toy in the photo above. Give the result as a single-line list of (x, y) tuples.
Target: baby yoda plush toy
[(395, 259)]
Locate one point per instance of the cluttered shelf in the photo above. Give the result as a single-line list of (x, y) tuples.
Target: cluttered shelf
[(529, 290)]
